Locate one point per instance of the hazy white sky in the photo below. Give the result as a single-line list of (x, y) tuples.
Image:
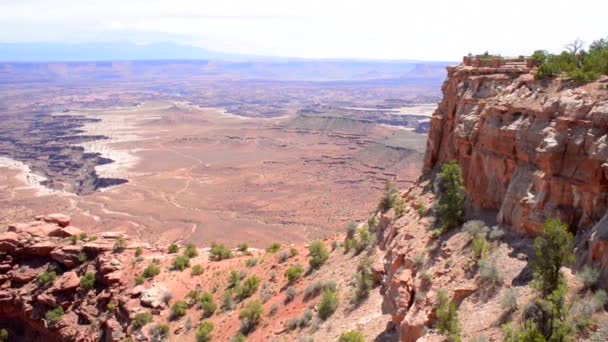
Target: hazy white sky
[(386, 29)]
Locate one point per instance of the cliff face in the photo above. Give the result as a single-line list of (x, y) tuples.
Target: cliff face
[(531, 150)]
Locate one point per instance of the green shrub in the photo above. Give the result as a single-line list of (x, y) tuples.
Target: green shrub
[(251, 262), (290, 294), (178, 309), (3, 335), (351, 336), (301, 322), (207, 304), (273, 309), (82, 258), (488, 272), (160, 332), (119, 245), (553, 250), (391, 199), (328, 304), (243, 247), (588, 276), (364, 240), (111, 306), (138, 251), (197, 270), (317, 288), (248, 288), (53, 316), (234, 278), (190, 251), (293, 273), (239, 338), (203, 334), (87, 281), (283, 256), (419, 260), (450, 195), (426, 277), (219, 252), (349, 244), (480, 247), (351, 230), (139, 279), (181, 262), (251, 316), (227, 301), (475, 228), (363, 279), (581, 77), (509, 301), (293, 252), (547, 70), (273, 248), (173, 248), (318, 254), (447, 317), (46, 278), (151, 271)]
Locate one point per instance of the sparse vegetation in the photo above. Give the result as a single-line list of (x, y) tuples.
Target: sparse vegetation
[(419, 260), (588, 276), (328, 304), (290, 294), (173, 248), (450, 196), (391, 199), (579, 65), (178, 309), (248, 288), (207, 304), (301, 322), (273, 248), (273, 309), (363, 279), (227, 301), (119, 245), (318, 254), (447, 317), (203, 334), (197, 270), (53, 316), (46, 278), (219, 252), (251, 316), (489, 274), (349, 244), (3, 335), (351, 230), (151, 271), (251, 262), (159, 332), (283, 256), (351, 336), (87, 281), (180, 263), (317, 288), (141, 319), (190, 251), (480, 247), (508, 303), (139, 280), (138, 252), (293, 273), (243, 247), (546, 318)]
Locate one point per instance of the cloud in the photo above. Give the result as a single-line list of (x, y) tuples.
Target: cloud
[(431, 29)]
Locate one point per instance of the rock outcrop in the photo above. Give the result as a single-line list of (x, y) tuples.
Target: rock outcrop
[(529, 150)]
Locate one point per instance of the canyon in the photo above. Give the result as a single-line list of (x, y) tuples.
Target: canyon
[(529, 150)]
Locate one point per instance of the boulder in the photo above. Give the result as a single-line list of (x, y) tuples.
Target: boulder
[(43, 248), (154, 297), (58, 219), (65, 232), (69, 281), (24, 275), (67, 255), (9, 242)]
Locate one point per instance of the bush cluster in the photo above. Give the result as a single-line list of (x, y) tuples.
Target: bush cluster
[(318, 254), (450, 196), (219, 252)]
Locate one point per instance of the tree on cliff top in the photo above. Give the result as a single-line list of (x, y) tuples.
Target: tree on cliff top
[(450, 195)]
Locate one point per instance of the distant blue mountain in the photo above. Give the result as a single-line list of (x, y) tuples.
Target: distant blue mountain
[(55, 52)]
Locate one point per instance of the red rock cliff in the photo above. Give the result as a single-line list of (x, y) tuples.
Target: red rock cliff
[(531, 150)]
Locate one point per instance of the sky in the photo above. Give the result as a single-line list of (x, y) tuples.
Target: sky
[(364, 29)]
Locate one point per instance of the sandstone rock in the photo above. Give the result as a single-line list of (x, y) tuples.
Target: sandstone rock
[(113, 278), (9, 242), (24, 275), (47, 299), (65, 232), (59, 219), (67, 255), (69, 281), (114, 331), (42, 249), (154, 296)]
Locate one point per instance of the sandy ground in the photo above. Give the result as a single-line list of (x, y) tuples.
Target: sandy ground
[(201, 175)]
